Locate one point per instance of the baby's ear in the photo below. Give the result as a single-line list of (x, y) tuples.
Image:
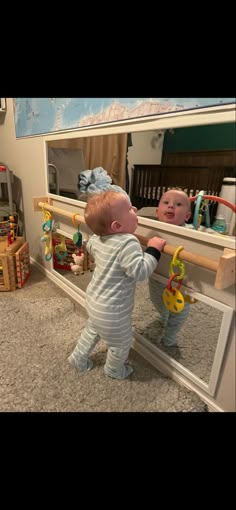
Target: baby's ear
[(188, 215), (115, 226)]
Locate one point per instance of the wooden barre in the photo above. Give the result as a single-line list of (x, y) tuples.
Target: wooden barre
[(187, 256), (66, 214), (224, 267)]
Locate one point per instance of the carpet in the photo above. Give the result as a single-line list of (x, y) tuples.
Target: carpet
[(38, 333)]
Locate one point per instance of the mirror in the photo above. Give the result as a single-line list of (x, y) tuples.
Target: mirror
[(199, 350), (196, 341), (64, 264), (201, 340), (146, 163), (143, 163)]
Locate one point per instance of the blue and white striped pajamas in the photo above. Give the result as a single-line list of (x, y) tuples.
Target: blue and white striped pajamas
[(171, 322), (120, 263)]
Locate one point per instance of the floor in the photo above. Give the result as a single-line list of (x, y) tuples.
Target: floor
[(40, 326)]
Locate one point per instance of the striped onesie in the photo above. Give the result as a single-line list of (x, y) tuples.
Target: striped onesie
[(120, 263)]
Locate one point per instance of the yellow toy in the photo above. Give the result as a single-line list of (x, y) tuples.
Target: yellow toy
[(172, 297)]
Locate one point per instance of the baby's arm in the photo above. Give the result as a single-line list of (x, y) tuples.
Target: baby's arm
[(136, 263)]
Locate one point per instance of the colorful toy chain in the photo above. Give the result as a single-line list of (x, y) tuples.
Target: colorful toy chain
[(172, 297), (77, 237), (47, 237)]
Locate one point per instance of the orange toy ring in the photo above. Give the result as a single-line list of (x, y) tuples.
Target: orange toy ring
[(73, 218)]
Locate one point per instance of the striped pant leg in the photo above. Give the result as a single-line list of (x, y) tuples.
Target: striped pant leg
[(155, 292), (118, 351), (174, 324), (86, 343)]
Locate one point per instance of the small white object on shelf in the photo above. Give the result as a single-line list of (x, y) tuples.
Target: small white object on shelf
[(6, 176), (3, 104)]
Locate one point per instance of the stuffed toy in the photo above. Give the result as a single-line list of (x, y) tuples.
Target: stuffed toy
[(78, 266)]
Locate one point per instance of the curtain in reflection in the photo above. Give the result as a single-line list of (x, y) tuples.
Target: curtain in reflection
[(107, 151)]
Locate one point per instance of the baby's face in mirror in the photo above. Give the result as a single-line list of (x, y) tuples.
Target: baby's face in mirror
[(174, 208)]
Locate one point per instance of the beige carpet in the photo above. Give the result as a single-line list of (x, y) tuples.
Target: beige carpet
[(39, 328)]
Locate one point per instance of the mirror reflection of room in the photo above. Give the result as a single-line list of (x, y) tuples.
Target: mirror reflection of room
[(197, 339), (146, 164), (195, 342), (72, 260)]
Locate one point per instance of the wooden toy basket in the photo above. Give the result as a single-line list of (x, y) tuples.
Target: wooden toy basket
[(14, 263)]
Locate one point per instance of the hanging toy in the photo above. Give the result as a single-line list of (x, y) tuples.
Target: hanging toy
[(201, 209), (172, 297), (47, 237), (77, 237), (47, 217), (61, 249), (198, 198)]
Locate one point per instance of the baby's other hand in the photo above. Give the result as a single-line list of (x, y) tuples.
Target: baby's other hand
[(156, 242)]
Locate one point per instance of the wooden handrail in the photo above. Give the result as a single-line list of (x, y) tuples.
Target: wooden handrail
[(187, 256), (198, 260)]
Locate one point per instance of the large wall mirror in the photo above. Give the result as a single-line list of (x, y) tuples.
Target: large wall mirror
[(146, 163), (201, 341)]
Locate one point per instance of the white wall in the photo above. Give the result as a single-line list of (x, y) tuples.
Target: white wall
[(146, 149)]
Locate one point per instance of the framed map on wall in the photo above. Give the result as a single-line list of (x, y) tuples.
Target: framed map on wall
[(41, 115)]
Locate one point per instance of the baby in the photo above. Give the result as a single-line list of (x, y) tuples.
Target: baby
[(174, 208), (120, 263)]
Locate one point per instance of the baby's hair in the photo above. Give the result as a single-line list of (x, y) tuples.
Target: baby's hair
[(98, 212)]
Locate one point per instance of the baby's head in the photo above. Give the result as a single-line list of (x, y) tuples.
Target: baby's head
[(174, 207), (110, 212)]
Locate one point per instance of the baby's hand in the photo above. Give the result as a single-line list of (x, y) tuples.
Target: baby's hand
[(157, 242)]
